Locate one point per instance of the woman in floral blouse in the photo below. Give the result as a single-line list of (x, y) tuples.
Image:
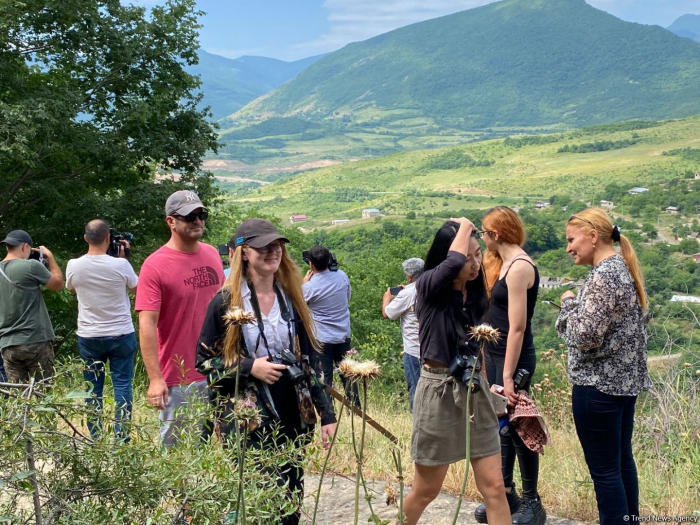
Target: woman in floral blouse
[(605, 330)]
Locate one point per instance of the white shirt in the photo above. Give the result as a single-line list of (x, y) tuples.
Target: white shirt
[(101, 282), (275, 328), (404, 306)]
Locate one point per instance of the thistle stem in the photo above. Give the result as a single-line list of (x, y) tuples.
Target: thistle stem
[(325, 464), (397, 462), (468, 444)]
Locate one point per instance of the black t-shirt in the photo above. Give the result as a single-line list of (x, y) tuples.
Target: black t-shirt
[(444, 318)]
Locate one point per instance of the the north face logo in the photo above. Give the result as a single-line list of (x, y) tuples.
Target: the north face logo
[(202, 277)]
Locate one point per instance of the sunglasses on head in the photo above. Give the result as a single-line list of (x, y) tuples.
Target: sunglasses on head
[(571, 218), (191, 217)]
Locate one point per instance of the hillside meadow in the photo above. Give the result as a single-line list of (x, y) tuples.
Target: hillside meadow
[(505, 171)]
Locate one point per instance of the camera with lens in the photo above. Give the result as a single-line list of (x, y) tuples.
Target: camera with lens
[(115, 245), (38, 255), (288, 359), (332, 261), (466, 368)]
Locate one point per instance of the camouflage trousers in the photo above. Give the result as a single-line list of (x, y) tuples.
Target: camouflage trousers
[(25, 361)]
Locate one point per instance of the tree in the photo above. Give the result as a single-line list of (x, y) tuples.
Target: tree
[(650, 230), (93, 99), (688, 246)]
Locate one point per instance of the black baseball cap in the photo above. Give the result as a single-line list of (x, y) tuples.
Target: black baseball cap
[(17, 237), (256, 233)]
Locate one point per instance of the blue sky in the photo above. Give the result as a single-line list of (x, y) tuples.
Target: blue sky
[(294, 29)]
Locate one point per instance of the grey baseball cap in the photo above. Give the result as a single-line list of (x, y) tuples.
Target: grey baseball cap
[(17, 237), (183, 202), (256, 233)]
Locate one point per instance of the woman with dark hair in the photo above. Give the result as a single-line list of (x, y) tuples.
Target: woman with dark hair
[(451, 298), (264, 283), (605, 330), (513, 281)]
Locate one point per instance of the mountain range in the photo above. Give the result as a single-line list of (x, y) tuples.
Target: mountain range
[(513, 63), (687, 26), (229, 84)]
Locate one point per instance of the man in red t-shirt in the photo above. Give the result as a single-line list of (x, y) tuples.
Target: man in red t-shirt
[(176, 284)]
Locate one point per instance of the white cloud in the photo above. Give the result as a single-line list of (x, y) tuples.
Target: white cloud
[(355, 20)]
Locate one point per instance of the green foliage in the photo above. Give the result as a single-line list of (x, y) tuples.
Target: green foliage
[(601, 145), (94, 97), (271, 127), (688, 246), (81, 481), (691, 154), (531, 140), (452, 160)]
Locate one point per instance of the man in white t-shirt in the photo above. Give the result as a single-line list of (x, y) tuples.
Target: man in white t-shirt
[(105, 329), (404, 306)]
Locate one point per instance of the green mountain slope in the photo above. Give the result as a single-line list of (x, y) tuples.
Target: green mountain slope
[(687, 26), (230, 84), (578, 163), (510, 63)]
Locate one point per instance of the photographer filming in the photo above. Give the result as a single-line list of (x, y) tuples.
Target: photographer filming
[(25, 328), (327, 292), (101, 280)]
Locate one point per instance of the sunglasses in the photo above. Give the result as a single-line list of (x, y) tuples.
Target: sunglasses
[(191, 217), (272, 247)]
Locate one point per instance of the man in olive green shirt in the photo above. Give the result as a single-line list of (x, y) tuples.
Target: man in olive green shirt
[(25, 328)]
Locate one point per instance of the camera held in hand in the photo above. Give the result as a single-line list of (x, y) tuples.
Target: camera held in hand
[(115, 245), (288, 359), (38, 255), (520, 379), (332, 261), (466, 368)]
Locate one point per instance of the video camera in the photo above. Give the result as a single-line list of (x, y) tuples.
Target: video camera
[(332, 263), (115, 245)]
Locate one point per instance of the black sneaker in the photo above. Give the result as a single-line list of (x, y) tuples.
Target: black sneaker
[(530, 512), (514, 503)]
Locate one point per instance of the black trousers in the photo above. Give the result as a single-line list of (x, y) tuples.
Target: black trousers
[(604, 425), (331, 355), (512, 445)]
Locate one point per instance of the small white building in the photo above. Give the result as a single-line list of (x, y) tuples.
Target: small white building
[(636, 190), (671, 209), (541, 205), (685, 299), (550, 282), (339, 221), (608, 205), (697, 175), (297, 218), (368, 213)]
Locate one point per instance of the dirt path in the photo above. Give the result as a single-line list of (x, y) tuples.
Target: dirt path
[(337, 504)]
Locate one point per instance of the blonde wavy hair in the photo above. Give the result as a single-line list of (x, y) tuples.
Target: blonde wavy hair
[(287, 277), (597, 219)]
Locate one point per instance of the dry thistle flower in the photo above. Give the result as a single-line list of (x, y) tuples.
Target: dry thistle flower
[(485, 333), (355, 370), (687, 365), (237, 315), (246, 410), (391, 495), (697, 373)]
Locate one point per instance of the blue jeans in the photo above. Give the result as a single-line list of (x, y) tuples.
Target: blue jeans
[(604, 426), (411, 370), (119, 352)]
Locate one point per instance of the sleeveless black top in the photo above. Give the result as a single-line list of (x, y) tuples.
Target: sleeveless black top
[(497, 314)]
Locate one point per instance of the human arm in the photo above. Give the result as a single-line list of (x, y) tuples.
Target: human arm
[(319, 393), (157, 394), (395, 307), (55, 283), (519, 277), (132, 279), (584, 321), (461, 241)]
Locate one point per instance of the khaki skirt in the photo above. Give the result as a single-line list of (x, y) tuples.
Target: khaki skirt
[(440, 418)]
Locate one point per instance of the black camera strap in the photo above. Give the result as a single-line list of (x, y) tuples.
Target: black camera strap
[(284, 310)]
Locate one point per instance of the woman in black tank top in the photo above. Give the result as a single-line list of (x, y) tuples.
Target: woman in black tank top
[(513, 282)]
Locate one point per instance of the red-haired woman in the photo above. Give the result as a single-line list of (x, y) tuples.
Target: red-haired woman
[(605, 330), (513, 281)]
